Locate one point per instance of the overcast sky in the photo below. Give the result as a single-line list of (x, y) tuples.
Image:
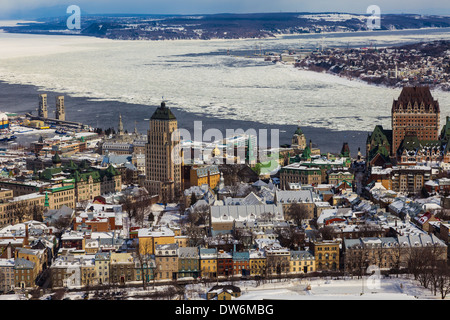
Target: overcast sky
[(17, 9)]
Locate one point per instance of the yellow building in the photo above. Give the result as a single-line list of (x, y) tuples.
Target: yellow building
[(25, 273), (258, 265), (200, 175), (166, 261), (223, 292), (149, 239), (87, 189), (87, 273), (101, 263), (208, 262), (302, 262), (182, 241), (326, 255), (121, 268), (19, 209), (60, 195), (38, 257)]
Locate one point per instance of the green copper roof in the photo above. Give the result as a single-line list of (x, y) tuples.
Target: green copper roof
[(298, 131), (48, 173), (380, 136), (445, 132), (46, 204), (56, 158), (163, 113), (306, 153), (412, 143)]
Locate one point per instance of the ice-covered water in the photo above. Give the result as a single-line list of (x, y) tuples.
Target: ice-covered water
[(199, 77)]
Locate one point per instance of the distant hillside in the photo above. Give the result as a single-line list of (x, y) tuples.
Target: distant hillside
[(224, 26)]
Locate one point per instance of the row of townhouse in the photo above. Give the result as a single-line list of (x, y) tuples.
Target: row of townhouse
[(389, 252), (171, 262)]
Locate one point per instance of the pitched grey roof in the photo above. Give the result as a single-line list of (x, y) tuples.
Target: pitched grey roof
[(21, 263), (289, 196), (301, 255), (245, 212), (188, 253), (419, 240)]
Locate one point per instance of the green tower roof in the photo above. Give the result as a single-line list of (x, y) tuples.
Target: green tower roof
[(46, 204), (56, 158), (298, 131), (163, 113)]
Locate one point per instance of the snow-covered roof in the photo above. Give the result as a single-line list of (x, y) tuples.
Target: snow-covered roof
[(245, 212)]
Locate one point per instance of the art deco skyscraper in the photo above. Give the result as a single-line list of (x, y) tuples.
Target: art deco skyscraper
[(163, 174)]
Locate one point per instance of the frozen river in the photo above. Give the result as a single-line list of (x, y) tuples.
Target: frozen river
[(199, 78)]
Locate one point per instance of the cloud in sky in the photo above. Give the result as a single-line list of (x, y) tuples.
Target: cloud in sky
[(37, 8)]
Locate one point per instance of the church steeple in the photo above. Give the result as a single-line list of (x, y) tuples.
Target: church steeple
[(120, 129), (46, 203), (56, 160)]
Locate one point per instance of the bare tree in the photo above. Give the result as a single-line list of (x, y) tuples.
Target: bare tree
[(297, 212), (37, 212), (290, 237), (233, 189), (128, 176), (424, 264), (202, 211), (127, 204), (443, 280), (143, 255), (83, 204), (327, 232), (442, 214), (19, 210), (196, 235), (356, 260), (63, 222)]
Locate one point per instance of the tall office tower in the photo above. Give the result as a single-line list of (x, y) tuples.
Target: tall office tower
[(414, 113), (163, 163), (43, 110), (60, 110)]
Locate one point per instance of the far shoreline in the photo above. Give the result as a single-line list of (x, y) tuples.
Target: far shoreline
[(273, 37)]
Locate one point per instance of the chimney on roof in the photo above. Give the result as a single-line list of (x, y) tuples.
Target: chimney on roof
[(25, 241)]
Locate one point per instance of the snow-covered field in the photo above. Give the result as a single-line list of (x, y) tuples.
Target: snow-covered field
[(192, 75), (320, 289), (354, 289), (168, 215)]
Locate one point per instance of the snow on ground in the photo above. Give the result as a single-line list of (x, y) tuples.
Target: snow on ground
[(402, 288), (352, 289), (12, 297), (168, 215)]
